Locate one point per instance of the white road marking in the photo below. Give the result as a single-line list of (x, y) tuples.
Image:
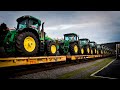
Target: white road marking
[(102, 69), (105, 77)]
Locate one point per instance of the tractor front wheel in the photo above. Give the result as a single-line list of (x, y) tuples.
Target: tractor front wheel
[(87, 50), (82, 51), (51, 49), (91, 51)]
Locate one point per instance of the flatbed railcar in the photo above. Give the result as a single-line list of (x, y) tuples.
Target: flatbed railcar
[(28, 40), (17, 61)]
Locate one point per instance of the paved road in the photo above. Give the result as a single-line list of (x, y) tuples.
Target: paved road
[(112, 71)]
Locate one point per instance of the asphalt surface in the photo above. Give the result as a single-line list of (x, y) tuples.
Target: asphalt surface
[(112, 71)]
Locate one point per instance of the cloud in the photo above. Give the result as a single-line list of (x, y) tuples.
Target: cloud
[(74, 26), (99, 26)]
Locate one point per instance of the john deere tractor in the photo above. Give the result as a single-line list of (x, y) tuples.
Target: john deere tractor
[(99, 49), (85, 46), (93, 46), (27, 39), (70, 44)]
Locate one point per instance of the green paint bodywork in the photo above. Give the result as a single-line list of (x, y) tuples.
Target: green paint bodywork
[(65, 44), (84, 42), (9, 40), (99, 47), (93, 44), (48, 38)]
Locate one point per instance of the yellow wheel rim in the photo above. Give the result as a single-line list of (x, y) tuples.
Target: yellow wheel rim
[(91, 51), (29, 44), (82, 51), (75, 48), (95, 50), (88, 50), (53, 49), (104, 52), (101, 52)]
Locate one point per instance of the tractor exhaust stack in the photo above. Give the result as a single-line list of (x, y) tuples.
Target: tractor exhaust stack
[(42, 31)]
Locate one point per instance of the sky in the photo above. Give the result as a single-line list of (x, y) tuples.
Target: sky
[(98, 26)]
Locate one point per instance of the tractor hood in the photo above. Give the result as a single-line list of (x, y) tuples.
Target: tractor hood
[(48, 38)]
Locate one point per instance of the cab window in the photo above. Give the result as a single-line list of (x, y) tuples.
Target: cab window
[(22, 24), (33, 24)]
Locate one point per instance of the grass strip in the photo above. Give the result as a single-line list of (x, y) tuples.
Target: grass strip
[(87, 76)]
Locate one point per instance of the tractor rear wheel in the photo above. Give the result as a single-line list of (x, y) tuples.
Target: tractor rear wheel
[(74, 50), (27, 44), (94, 51), (51, 49), (91, 51), (86, 50)]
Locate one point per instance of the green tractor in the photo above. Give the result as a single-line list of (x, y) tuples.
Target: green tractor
[(107, 51), (93, 46), (70, 44), (99, 49), (85, 46), (27, 39), (104, 49)]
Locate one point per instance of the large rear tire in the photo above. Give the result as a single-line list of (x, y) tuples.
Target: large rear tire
[(87, 50), (74, 49), (27, 44), (94, 51)]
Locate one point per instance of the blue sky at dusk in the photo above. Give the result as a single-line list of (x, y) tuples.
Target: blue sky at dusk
[(99, 26)]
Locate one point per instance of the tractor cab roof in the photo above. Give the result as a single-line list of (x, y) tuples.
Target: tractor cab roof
[(99, 44), (84, 39), (92, 42), (28, 17), (70, 34)]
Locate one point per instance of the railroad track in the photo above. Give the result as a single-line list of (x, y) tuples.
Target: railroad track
[(9, 72)]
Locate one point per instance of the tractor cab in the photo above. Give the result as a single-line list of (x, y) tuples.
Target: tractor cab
[(71, 37), (99, 46), (93, 44), (84, 41), (28, 22)]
